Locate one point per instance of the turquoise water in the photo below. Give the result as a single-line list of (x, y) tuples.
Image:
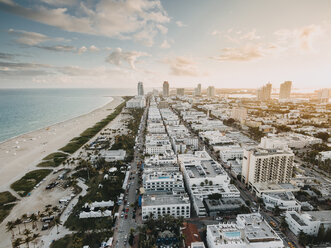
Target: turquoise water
[(26, 110), (232, 234)]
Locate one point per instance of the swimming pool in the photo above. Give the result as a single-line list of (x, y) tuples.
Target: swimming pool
[(232, 234)]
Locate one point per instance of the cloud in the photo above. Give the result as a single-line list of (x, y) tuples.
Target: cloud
[(180, 24), (32, 38), (7, 56), (93, 48), (59, 2), (81, 50), (118, 56), (244, 53), (183, 66), (28, 38), (14, 69), (299, 38), (58, 48), (116, 19), (165, 44)]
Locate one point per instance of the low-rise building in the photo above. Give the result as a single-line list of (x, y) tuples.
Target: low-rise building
[(157, 205), (308, 222), (284, 201), (250, 230)]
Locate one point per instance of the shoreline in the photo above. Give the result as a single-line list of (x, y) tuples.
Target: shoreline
[(59, 122), (22, 153)]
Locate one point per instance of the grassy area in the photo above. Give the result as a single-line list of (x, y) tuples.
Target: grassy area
[(29, 180), (127, 141), (53, 159), (80, 239), (85, 136), (5, 210), (5, 199), (110, 190)]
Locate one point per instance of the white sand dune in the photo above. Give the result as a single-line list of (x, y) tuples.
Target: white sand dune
[(21, 154)]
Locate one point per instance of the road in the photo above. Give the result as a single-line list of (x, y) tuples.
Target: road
[(125, 224)]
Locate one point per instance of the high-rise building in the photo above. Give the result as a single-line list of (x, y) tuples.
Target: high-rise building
[(180, 91), (285, 90), (261, 165), (211, 91), (239, 114), (197, 90), (165, 89), (140, 89), (323, 95), (264, 93)]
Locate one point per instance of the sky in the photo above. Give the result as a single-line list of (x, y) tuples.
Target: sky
[(116, 43)]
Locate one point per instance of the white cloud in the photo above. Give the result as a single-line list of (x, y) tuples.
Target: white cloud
[(299, 38), (165, 44), (118, 56), (58, 48), (28, 38), (119, 19), (81, 50), (93, 48), (244, 53), (183, 66), (180, 24)]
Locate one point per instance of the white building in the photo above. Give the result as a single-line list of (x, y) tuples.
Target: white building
[(160, 204), (250, 230), (204, 176), (140, 89), (136, 102), (163, 181), (292, 140), (324, 155), (285, 201), (111, 155), (211, 91), (229, 152), (308, 222), (239, 114)]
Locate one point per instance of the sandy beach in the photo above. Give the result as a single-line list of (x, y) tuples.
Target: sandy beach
[(21, 154)]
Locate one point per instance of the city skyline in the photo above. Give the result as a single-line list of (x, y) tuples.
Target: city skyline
[(67, 44)]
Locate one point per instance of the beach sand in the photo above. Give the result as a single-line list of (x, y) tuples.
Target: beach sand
[(21, 154)]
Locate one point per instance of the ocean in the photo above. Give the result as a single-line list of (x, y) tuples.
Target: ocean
[(26, 110)]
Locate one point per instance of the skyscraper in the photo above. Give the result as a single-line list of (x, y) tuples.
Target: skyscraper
[(165, 88), (285, 90), (180, 91), (198, 90), (140, 89), (264, 93), (323, 95), (211, 91)]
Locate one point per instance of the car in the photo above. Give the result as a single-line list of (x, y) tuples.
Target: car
[(219, 218), (126, 216), (122, 214)]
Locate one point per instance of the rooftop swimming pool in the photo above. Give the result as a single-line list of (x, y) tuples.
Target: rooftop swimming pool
[(232, 234)]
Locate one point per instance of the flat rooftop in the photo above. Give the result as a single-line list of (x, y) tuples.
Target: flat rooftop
[(164, 199)]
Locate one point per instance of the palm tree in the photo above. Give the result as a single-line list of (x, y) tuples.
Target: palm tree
[(24, 217), (17, 242), (33, 218), (9, 227), (27, 240), (18, 222), (58, 223), (35, 238)]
